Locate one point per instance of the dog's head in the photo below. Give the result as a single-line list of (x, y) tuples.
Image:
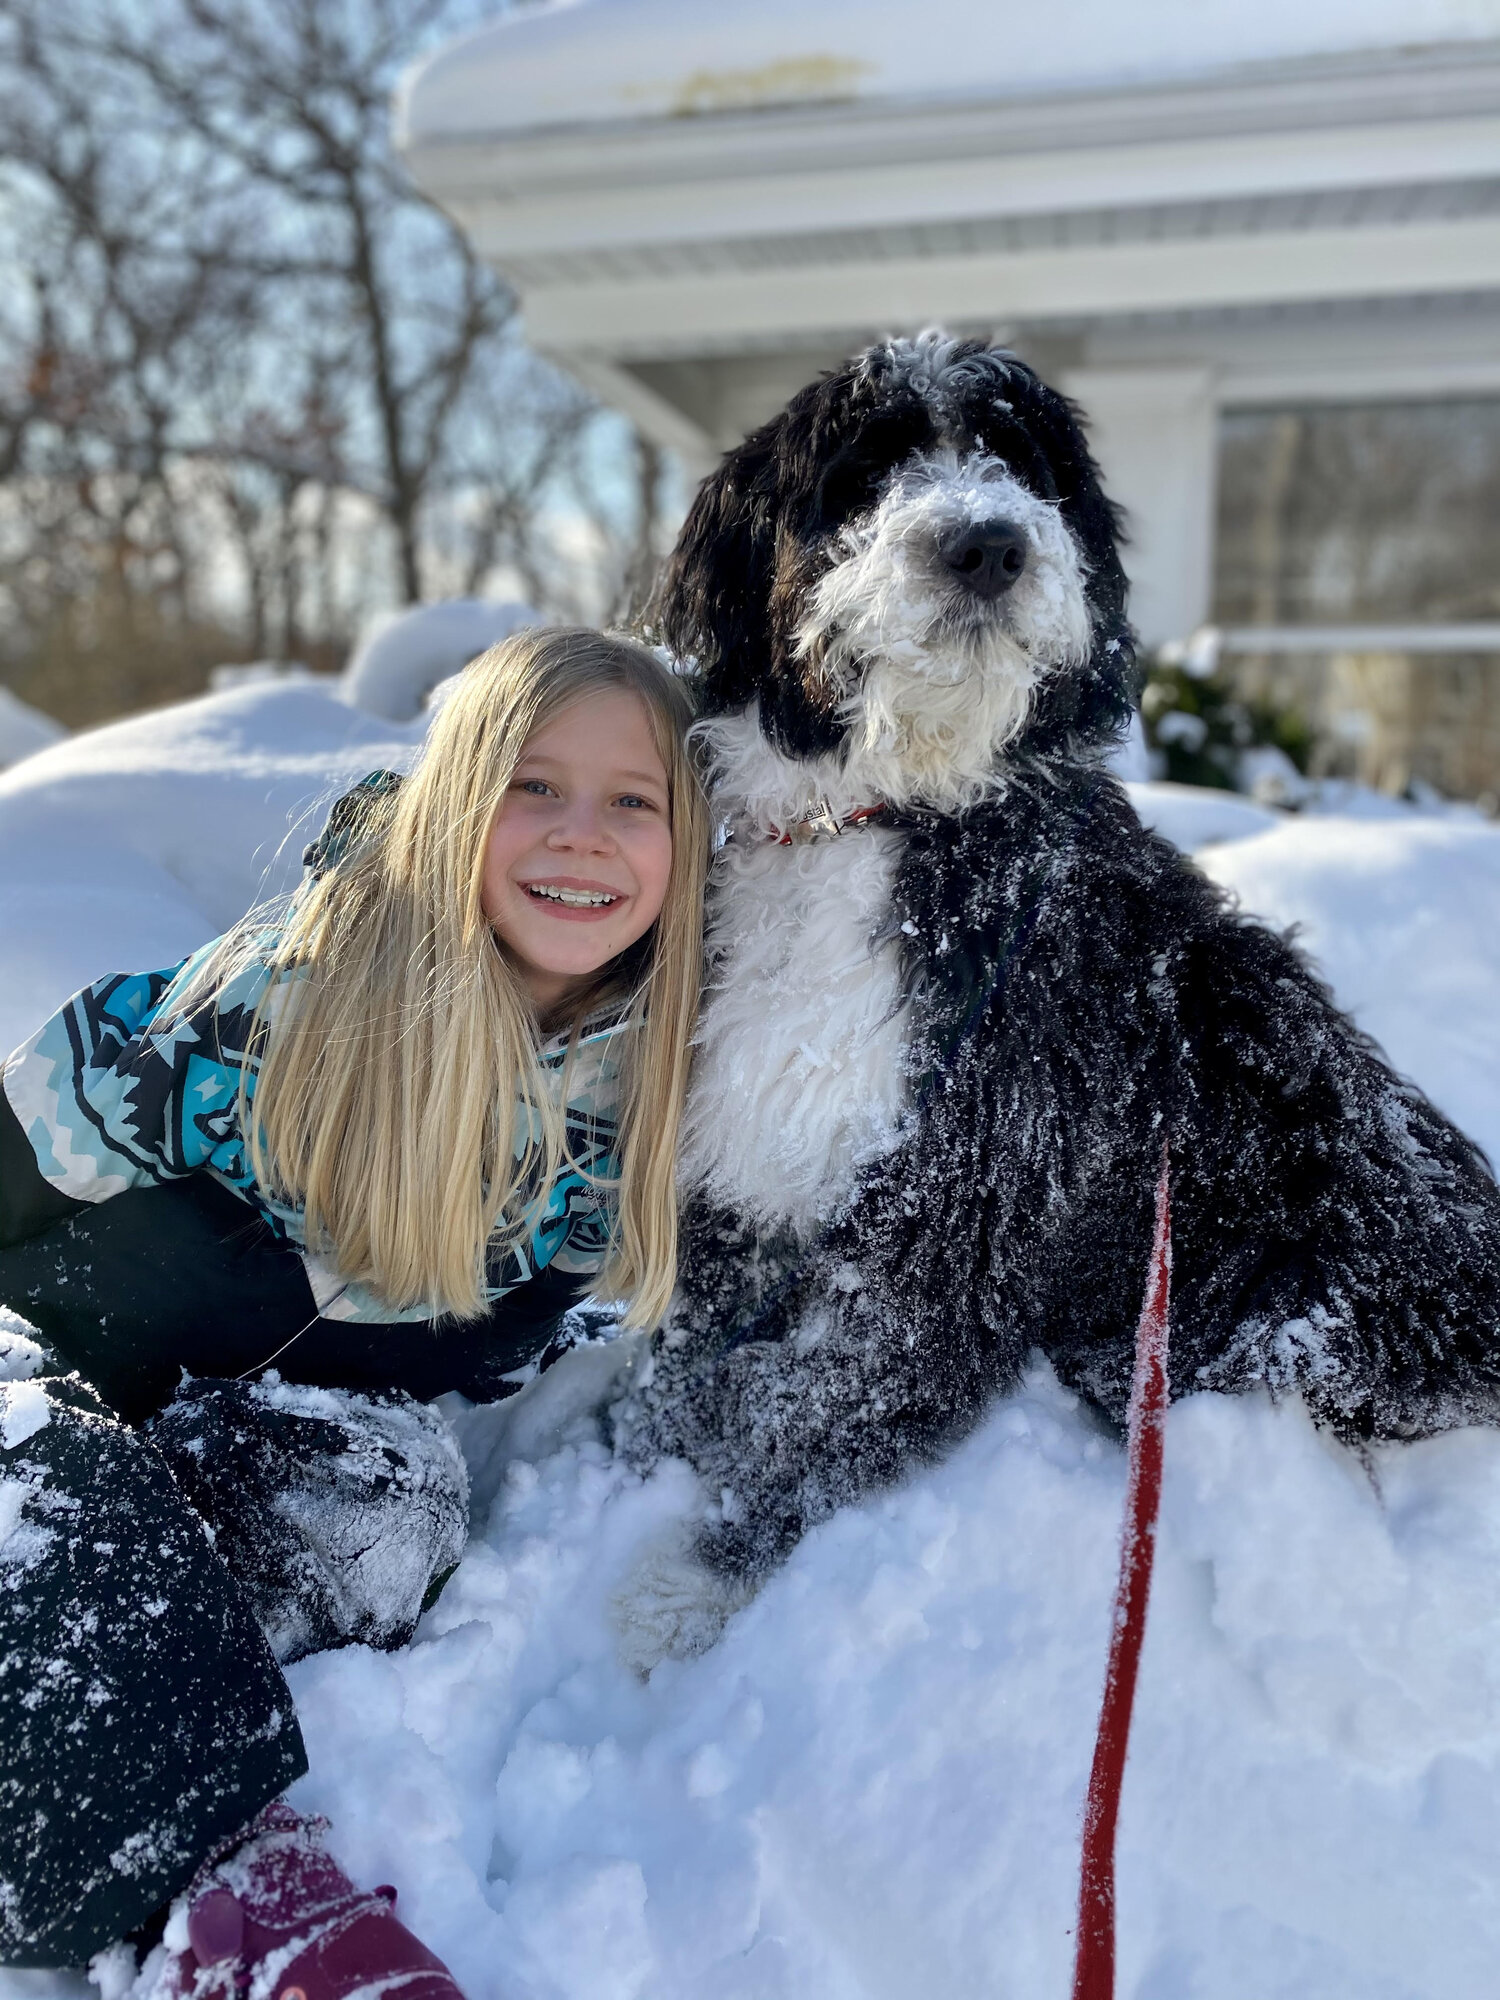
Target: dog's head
[(913, 569)]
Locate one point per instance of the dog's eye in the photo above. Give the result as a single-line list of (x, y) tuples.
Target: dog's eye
[(1021, 449), (853, 478), (1022, 456), (848, 486)]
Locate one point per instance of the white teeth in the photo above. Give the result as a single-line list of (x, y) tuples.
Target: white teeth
[(583, 899)]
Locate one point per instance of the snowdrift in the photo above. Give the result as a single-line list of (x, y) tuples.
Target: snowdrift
[(871, 1786), (24, 729), (130, 845)]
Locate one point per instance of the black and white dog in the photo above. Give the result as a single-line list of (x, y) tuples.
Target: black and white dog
[(959, 996)]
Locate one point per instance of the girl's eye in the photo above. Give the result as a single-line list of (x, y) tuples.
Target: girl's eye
[(636, 802), (537, 787)]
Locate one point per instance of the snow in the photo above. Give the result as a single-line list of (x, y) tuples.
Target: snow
[(404, 657), (595, 61), (20, 1355), (871, 1785), (24, 729), (1194, 816), (1403, 915), (23, 1412), (126, 847)]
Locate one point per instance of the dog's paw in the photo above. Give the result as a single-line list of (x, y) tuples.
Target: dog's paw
[(673, 1606)]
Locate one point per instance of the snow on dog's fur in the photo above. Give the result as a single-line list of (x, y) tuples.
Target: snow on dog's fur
[(959, 997), (931, 685)]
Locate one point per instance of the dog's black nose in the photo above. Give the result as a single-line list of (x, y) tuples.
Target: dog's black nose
[(987, 557)]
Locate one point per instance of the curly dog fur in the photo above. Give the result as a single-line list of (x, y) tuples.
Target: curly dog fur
[(942, 1047)]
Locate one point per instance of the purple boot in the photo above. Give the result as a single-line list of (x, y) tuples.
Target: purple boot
[(276, 1918)]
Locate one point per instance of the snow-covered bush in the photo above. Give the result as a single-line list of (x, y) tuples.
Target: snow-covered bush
[(1203, 731)]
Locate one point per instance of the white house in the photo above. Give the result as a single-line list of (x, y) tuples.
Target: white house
[(1174, 208)]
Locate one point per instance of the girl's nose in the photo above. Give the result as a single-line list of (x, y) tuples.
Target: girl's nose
[(582, 827)]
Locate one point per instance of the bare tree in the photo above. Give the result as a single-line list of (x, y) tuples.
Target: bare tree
[(116, 290), (293, 97), (249, 375)]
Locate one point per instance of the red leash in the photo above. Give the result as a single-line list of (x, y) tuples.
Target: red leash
[(1094, 1965)]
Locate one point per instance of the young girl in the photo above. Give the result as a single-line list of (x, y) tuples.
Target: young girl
[(376, 1147)]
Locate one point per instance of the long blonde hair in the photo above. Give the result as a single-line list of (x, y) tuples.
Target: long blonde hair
[(399, 1095)]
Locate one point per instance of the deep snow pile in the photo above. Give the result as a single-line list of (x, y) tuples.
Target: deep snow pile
[(871, 1786), (127, 847), (24, 729), (405, 655)]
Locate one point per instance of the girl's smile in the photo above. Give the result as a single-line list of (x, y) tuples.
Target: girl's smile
[(580, 900), (580, 851)]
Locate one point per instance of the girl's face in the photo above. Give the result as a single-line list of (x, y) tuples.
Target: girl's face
[(581, 848)]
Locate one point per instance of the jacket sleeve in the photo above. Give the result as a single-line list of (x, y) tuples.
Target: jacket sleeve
[(29, 1203), (103, 1098)]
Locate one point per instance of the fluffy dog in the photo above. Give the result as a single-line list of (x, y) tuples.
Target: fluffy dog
[(960, 997)]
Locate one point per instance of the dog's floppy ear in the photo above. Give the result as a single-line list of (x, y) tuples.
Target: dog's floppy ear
[(711, 603), (733, 588), (1060, 426), (1098, 701)]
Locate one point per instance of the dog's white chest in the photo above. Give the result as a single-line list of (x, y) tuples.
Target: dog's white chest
[(799, 1075)]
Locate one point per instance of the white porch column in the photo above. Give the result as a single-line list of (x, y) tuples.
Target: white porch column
[(1153, 432)]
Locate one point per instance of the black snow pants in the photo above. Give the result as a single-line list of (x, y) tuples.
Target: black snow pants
[(166, 1542), (144, 1716)]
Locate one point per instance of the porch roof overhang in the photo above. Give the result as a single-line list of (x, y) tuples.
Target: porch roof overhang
[(669, 260), (1170, 210)]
